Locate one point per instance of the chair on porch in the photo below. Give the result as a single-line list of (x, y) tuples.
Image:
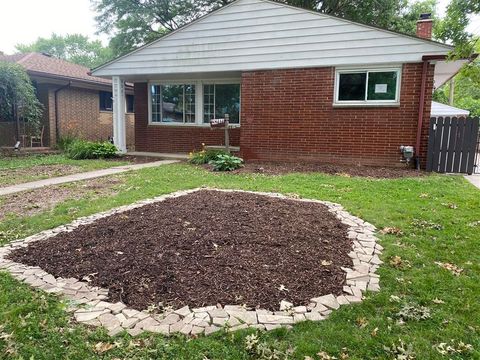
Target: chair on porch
[(37, 140)]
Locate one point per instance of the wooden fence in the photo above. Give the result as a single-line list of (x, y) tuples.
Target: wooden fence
[(452, 145)]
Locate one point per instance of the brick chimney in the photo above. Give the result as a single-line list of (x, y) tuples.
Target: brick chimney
[(424, 26)]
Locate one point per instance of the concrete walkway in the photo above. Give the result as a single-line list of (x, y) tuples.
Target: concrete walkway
[(474, 179), (80, 176)]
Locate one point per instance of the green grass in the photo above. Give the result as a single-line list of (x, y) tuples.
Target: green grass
[(29, 168), (33, 325)]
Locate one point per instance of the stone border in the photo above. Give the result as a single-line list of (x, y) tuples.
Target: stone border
[(88, 305)]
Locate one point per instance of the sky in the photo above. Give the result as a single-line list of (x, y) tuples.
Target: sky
[(23, 21)]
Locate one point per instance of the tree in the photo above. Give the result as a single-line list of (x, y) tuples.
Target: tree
[(136, 22), (76, 48), (453, 28), (17, 96), (466, 87)]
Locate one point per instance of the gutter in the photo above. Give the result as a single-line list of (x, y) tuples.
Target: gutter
[(421, 108), (55, 95)]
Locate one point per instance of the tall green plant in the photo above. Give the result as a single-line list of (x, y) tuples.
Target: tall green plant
[(18, 94)]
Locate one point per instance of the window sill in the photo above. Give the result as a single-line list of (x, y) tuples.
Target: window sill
[(187, 125), (366, 105)]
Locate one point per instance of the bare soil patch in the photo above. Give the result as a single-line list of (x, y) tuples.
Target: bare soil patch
[(29, 203), (331, 169), (22, 175), (205, 248)]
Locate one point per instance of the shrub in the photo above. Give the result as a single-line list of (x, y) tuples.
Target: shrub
[(81, 149), (204, 156), (64, 142), (226, 162)]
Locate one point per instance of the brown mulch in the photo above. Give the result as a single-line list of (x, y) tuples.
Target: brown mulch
[(205, 248), (29, 203), (331, 169)]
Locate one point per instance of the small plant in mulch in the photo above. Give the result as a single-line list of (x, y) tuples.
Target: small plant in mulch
[(204, 156), (401, 351), (412, 312), (459, 348), (427, 225), (226, 162)]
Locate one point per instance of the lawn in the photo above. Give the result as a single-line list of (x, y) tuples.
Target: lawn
[(430, 280), (15, 170)]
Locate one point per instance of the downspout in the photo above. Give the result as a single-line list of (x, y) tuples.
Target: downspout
[(421, 108), (55, 96)]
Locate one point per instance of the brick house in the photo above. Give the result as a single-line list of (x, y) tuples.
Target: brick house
[(298, 85), (75, 103)]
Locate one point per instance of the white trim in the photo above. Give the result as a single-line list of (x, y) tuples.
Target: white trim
[(198, 99), (367, 70)]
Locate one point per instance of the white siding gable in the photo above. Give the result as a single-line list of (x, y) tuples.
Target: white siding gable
[(258, 34)]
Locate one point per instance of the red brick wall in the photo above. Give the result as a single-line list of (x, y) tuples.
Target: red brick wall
[(170, 138), (79, 115), (288, 115), (424, 28)]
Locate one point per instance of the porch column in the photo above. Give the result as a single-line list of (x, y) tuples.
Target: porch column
[(119, 131)]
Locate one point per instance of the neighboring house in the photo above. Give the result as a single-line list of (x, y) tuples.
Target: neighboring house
[(443, 110), (300, 85), (75, 103)]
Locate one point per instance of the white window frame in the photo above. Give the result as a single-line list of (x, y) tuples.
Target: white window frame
[(198, 99), (366, 102)]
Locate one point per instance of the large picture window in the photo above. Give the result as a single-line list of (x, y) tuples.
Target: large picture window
[(221, 99), (367, 87), (172, 103)]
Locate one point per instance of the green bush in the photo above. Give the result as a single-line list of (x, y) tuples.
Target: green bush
[(204, 156), (64, 142), (226, 162), (81, 149)]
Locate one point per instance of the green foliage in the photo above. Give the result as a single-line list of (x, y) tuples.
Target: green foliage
[(138, 22), (76, 48), (453, 28), (64, 142), (17, 91), (81, 149), (466, 87), (204, 156), (226, 162)]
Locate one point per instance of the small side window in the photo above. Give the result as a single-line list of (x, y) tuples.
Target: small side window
[(106, 101), (130, 104)]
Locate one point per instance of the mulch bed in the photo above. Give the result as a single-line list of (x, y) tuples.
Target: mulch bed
[(331, 169), (205, 248)]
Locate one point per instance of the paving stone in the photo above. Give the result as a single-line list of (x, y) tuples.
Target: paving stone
[(115, 331), (211, 329), (327, 300), (117, 307), (197, 330), (130, 322), (120, 317), (170, 319), (201, 315), (269, 327), (238, 327), (135, 331), (130, 312), (199, 322), (204, 309), (228, 308), (248, 317), (184, 311), (373, 287), (319, 308), (147, 322), (342, 300), (160, 329), (89, 315), (353, 299), (218, 313), (109, 321), (300, 309), (50, 279), (298, 318), (219, 321), (376, 260), (313, 316), (177, 326), (274, 319), (186, 329), (285, 305)]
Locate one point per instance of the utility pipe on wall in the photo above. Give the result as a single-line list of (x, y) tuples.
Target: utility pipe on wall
[(421, 108)]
